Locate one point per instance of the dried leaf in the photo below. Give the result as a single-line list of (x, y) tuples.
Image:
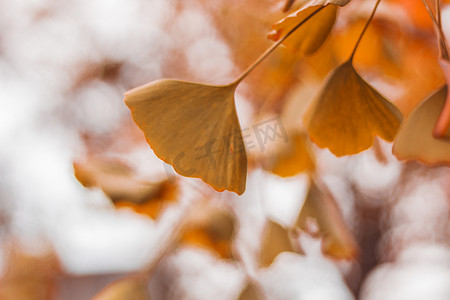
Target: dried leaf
[(311, 35), (415, 140), (117, 180), (293, 157), (320, 206), (304, 3), (132, 288), (275, 241), (29, 277), (211, 228), (250, 292), (348, 113), (442, 126), (194, 128)]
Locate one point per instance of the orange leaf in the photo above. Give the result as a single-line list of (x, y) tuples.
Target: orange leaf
[(116, 179), (311, 35), (132, 288), (415, 140), (441, 129), (193, 127), (320, 205), (275, 241), (348, 113), (293, 157), (250, 292), (211, 228)]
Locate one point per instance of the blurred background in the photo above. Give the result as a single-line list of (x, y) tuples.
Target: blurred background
[(84, 202)]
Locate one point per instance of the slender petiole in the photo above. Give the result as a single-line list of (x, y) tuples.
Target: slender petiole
[(364, 30), (273, 47)]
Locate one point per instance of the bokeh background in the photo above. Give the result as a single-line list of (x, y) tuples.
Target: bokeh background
[(64, 67)]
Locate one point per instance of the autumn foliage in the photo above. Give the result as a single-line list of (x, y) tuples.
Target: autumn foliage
[(323, 82)]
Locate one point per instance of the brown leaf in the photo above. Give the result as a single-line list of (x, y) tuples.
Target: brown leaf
[(28, 277), (275, 241), (322, 2), (415, 140), (211, 228), (116, 179), (132, 288), (311, 35), (320, 206), (122, 186), (442, 126), (293, 157), (250, 292), (193, 127), (348, 113)]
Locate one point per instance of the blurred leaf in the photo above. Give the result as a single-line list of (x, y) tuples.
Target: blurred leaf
[(292, 157), (153, 206), (29, 277), (275, 241), (322, 2), (132, 288), (211, 228), (250, 292), (320, 206), (415, 140), (116, 179), (193, 127), (311, 35), (120, 184), (348, 113)]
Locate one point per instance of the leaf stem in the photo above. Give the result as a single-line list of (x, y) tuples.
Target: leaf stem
[(438, 24), (273, 47), (364, 30)]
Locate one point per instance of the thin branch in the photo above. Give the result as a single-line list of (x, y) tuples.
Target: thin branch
[(273, 47), (364, 30)]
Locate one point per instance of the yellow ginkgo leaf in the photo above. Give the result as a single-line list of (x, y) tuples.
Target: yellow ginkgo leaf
[(348, 113), (275, 241), (293, 157), (320, 206), (415, 140), (311, 35), (132, 288), (193, 127)]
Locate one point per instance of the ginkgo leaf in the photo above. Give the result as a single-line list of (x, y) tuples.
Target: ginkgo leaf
[(293, 157), (311, 35), (211, 228), (442, 126), (275, 241), (133, 288), (116, 179), (250, 292), (29, 277), (193, 127), (348, 113), (415, 140), (304, 3), (320, 206)]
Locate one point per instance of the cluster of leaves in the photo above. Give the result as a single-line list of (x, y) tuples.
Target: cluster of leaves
[(183, 121)]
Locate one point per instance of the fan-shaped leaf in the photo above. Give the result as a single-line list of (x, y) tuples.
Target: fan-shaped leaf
[(194, 128), (415, 140), (348, 113), (275, 241)]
